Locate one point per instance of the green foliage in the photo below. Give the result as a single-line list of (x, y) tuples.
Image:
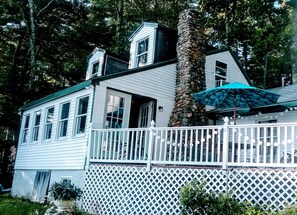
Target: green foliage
[(20, 206), (65, 191), (195, 200), (17, 206)]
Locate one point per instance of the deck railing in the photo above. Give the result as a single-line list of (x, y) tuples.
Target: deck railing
[(258, 145)]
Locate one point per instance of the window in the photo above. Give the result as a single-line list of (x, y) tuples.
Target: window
[(142, 51), (66, 179), (81, 116), (25, 129), (115, 112), (48, 123), (36, 125), (63, 121), (220, 73), (95, 69)]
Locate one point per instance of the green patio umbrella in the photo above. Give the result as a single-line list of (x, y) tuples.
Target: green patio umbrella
[(235, 95)]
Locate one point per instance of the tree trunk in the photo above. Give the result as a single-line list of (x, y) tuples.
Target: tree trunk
[(32, 38), (294, 46), (119, 28)]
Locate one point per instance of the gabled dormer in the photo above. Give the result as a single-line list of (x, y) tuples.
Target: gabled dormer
[(151, 43), (102, 63)]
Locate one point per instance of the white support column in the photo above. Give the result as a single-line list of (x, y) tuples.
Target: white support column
[(225, 143), (150, 145), (89, 144)]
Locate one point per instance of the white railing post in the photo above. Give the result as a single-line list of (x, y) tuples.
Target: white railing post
[(150, 145), (225, 142), (89, 144)]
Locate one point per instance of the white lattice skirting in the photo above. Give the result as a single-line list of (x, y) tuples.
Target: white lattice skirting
[(112, 189)]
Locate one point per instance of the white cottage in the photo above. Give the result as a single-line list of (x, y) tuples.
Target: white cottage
[(55, 132)]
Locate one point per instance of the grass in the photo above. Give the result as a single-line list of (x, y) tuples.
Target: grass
[(17, 206), (21, 206)]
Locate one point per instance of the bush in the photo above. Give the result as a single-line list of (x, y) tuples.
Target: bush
[(194, 200), (65, 191)]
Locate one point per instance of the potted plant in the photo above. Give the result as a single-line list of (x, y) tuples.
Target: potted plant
[(64, 194)]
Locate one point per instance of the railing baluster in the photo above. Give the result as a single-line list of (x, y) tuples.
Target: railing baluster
[(175, 145), (186, 142), (219, 144), (212, 145), (278, 145), (285, 145), (252, 145), (164, 139), (245, 145), (201, 144), (196, 144), (292, 145), (180, 144), (191, 144)]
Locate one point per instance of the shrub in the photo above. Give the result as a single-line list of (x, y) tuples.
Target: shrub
[(194, 200), (65, 191)]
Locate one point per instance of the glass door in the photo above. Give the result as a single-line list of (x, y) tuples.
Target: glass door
[(117, 109)]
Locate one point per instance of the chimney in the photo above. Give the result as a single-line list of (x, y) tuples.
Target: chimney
[(190, 70)]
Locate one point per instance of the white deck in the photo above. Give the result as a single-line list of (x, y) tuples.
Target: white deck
[(255, 145)]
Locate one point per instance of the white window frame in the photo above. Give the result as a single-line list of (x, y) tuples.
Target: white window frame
[(127, 107), (60, 121), (138, 55), (48, 123), (223, 79), (92, 69), (78, 117), (36, 128), (25, 131)]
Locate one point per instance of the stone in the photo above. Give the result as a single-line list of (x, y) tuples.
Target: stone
[(190, 70)]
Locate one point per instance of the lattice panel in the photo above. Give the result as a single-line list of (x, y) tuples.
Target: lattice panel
[(134, 190), (111, 189), (269, 188)]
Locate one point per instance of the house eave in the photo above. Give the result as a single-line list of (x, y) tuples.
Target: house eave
[(56, 95), (132, 71)]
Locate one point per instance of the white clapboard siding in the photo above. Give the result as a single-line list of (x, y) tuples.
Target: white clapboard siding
[(233, 71), (67, 153), (157, 83), (144, 32)]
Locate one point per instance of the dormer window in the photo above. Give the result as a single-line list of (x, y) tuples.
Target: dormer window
[(142, 51), (95, 68), (220, 73)]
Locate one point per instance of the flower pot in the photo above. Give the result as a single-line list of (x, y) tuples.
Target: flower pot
[(63, 205)]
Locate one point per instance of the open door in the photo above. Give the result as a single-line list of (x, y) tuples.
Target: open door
[(117, 109), (40, 187), (146, 114)]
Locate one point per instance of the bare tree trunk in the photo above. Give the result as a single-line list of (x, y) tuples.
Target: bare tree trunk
[(32, 39), (265, 72), (119, 35), (294, 46)]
